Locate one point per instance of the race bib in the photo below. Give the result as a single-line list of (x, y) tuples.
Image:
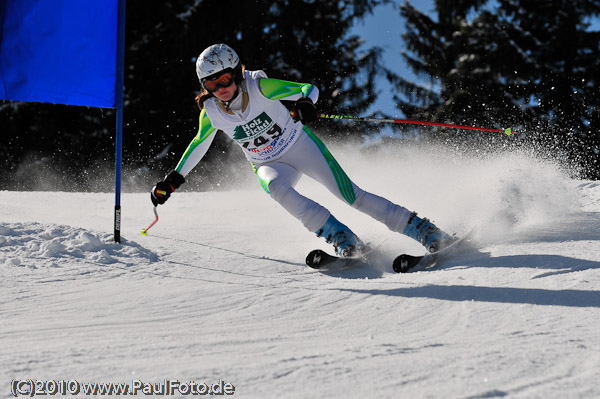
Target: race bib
[(258, 134)]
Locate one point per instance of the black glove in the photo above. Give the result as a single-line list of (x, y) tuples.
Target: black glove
[(304, 110), (163, 189)]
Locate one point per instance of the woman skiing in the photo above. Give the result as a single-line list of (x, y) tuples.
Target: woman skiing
[(245, 105)]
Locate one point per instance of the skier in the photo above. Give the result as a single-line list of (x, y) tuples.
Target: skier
[(245, 105)]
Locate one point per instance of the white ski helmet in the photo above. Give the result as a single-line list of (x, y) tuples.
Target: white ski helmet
[(216, 59)]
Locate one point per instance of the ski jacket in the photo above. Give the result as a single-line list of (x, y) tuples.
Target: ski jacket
[(262, 126)]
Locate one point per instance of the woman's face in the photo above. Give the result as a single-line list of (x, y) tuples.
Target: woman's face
[(226, 93)]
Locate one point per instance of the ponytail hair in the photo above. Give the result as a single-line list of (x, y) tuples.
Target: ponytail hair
[(205, 95), (200, 98)]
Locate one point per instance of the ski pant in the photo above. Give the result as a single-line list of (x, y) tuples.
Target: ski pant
[(309, 156)]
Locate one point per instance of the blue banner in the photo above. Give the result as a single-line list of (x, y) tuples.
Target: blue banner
[(59, 51)]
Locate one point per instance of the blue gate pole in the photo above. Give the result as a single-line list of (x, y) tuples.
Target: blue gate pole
[(119, 106)]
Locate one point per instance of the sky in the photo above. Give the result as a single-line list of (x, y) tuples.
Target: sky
[(384, 28)]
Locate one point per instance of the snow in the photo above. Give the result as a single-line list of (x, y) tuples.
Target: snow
[(218, 289)]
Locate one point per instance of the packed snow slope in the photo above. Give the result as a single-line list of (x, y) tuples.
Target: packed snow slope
[(218, 290)]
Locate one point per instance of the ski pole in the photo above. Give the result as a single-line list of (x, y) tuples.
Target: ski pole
[(145, 231), (508, 131)]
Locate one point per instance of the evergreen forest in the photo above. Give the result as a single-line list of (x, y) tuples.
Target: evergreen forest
[(533, 65)]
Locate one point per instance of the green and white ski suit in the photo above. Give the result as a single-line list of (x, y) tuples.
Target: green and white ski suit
[(281, 150)]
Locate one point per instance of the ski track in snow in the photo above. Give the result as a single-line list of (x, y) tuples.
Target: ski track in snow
[(218, 288)]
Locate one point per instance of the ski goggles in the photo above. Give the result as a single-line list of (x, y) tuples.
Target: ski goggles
[(212, 84)]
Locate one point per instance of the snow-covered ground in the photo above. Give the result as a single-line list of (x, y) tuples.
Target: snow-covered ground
[(218, 291)]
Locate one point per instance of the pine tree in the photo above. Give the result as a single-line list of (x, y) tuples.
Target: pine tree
[(531, 64), (565, 85), (462, 55)]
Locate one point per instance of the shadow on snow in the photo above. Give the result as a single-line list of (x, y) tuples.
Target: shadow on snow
[(460, 293)]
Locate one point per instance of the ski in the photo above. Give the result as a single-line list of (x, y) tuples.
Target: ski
[(406, 263), (321, 260)]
